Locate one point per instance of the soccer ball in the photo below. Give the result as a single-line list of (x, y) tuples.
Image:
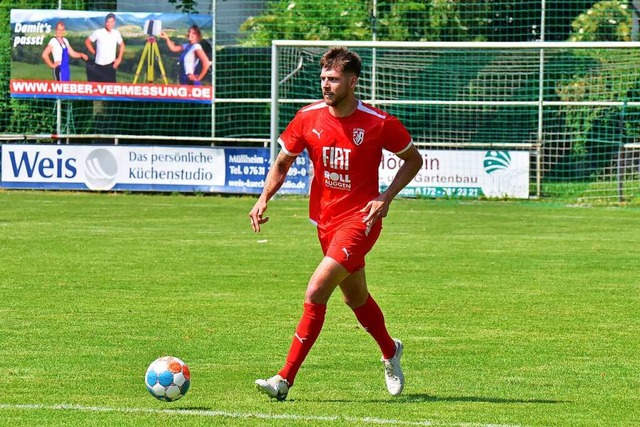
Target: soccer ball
[(168, 378)]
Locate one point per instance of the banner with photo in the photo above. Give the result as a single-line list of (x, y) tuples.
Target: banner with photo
[(67, 54)]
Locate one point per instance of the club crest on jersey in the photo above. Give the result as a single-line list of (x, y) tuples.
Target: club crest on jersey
[(358, 136)]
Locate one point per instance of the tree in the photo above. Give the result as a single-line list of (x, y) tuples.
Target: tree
[(609, 20), (407, 20), (186, 6), (309, 20)]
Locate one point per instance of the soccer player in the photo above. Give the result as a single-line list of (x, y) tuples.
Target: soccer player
[(344, 139)]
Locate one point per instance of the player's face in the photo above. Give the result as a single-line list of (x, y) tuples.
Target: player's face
[(109, 24), (59, 30), (336, 86)]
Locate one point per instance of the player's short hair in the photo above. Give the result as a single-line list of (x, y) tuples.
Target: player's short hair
[(109, 16), (340, 58)]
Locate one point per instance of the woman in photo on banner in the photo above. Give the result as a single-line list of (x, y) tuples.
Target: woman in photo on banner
[(57, 53), (194, 63)]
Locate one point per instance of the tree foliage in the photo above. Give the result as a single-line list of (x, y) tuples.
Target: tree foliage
[(409, 20), (309, 20), (185, 6), (608, 20)]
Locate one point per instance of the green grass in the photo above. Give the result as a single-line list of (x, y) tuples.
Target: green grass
[(511, 313), (596, 192)]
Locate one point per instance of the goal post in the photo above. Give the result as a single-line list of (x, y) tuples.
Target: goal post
[(574, 106)]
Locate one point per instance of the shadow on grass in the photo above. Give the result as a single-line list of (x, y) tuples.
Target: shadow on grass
[(423, 397)]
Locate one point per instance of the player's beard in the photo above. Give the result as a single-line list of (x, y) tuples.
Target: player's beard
[(332, 100)]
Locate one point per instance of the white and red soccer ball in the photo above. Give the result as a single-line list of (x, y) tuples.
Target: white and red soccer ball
[(168, 378)]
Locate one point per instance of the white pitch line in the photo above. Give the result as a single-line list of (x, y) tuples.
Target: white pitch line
[(224, 414)]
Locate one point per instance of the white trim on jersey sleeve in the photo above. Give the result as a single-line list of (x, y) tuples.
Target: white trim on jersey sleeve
[(405, 148), (287, 152)]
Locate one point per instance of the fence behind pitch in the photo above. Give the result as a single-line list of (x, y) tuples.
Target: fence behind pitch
[(574, 109)]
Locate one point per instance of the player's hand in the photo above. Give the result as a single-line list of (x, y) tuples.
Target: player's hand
[(374, 211), (256, 215), (116, 63), (84, 56)]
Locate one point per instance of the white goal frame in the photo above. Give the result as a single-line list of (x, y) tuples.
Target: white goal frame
[(539, 46)]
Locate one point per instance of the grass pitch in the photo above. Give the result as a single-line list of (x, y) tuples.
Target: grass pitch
[(512, 314)]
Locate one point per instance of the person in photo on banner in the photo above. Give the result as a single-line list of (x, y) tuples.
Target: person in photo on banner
[(108, 51), (193, 63), (58, 52), (345, 139)]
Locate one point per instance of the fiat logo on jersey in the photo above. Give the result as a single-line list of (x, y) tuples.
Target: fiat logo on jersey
[(358, 136)]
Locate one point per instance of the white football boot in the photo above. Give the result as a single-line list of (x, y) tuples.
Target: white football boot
[(275, 387), (393, 372)]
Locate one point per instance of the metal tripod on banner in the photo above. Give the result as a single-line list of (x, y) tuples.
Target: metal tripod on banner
[(151, 57)]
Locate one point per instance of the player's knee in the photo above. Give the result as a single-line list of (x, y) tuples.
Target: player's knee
[(354, 301), (317, 295)]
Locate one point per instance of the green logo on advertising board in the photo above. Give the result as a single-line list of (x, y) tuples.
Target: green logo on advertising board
[(496, 161)]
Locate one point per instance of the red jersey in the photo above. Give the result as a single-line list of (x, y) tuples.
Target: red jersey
[(345, 153)]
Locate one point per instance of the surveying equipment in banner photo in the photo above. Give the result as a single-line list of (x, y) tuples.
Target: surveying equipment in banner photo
[(151, 53)]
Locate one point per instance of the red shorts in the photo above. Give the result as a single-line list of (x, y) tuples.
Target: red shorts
[(348, 242)]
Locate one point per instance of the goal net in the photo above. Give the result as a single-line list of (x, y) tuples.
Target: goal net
[(574, 107)]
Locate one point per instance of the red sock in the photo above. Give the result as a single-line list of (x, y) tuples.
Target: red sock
[(372, 320), (306, 333)]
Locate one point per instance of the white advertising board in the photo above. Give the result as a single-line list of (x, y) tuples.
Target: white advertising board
[(463, 173), (143, 168)]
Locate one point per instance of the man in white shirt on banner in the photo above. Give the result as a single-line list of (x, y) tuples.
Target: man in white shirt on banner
[(107, 41)]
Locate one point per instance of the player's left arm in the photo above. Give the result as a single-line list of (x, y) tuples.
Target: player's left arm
[(75, 54), (379, 207), (205, 64), (118, 60)]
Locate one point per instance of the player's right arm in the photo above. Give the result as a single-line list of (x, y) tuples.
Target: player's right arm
[(75, 54), (89, 45), (170, 44), (275, 178), (45, 57)]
